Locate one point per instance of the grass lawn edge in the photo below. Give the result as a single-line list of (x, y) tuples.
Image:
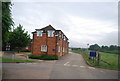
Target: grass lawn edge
[(96, 66), (5, 60)]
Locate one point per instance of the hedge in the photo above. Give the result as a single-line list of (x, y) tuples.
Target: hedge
[(44, 57)]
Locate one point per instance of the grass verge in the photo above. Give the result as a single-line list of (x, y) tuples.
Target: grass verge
[(13, 60), (111, 59)]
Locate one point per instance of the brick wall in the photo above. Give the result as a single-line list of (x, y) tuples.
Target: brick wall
[(55, 44), (44, 40)]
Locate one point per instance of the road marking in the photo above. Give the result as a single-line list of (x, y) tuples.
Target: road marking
[(50, 61), (75, 65), (82, 66), (91, 67), (66, 63)]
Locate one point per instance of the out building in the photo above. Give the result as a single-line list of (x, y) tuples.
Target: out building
[(49, 41)]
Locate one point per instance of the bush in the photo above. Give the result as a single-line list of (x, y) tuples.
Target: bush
[(33, 56), (49, 57), (44, 57), (24, 51)]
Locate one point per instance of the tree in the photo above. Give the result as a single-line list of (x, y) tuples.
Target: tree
[(19, 38), (104, 47), (7, 22), (113, 47), (94, 47)]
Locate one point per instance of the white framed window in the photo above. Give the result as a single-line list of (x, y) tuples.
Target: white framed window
[(56, 34), (63, 49), (64, 38), (59, 49), (59, 34), (26, 48), (51, 33), (43, 48), (39, 33)]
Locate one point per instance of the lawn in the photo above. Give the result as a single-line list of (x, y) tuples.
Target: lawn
[(13, 60), (111, 59)]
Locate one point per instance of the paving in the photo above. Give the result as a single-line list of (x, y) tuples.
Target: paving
[(70, 66), (18, 56)]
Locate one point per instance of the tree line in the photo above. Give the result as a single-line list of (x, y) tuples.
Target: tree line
[(113, 49), (103, 48), (16, 38)]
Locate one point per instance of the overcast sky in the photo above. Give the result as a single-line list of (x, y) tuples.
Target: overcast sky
[(82, 22)]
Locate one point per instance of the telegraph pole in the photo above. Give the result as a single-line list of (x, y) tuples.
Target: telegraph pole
[(87, 46)]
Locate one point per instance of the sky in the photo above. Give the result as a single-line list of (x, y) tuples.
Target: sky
[(82, 22)]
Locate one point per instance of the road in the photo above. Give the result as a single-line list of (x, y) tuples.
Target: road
[(71, 66)]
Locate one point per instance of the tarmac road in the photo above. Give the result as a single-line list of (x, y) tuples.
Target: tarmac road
[(70, 66)]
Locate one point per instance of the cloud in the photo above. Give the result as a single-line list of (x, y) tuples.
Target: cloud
[(65, 0), (82, 23), (91, 31)]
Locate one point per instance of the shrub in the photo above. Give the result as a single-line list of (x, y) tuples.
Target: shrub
[(49, 57), (24, 51), (44, 57), (33, 56)]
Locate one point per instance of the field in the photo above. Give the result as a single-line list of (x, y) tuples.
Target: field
[(112, 59), (108, 60)]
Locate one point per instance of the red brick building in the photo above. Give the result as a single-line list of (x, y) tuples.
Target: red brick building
[(49, 41)]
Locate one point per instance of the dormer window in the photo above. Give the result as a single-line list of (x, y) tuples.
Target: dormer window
[(64, 38), (51, 33), (39, 33), (56, 34)]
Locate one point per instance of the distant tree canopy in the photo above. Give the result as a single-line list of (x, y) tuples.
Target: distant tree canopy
[(95, 47), (19, 38), (7, 22), (113, 49), (105, 47), (75, 48), (109, 49)]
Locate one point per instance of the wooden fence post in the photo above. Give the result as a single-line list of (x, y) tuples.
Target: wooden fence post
[(98, 58)]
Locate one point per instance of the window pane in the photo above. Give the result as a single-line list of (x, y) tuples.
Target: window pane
[(50, 33), (44, 48), (39, 33), (59, 49)]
